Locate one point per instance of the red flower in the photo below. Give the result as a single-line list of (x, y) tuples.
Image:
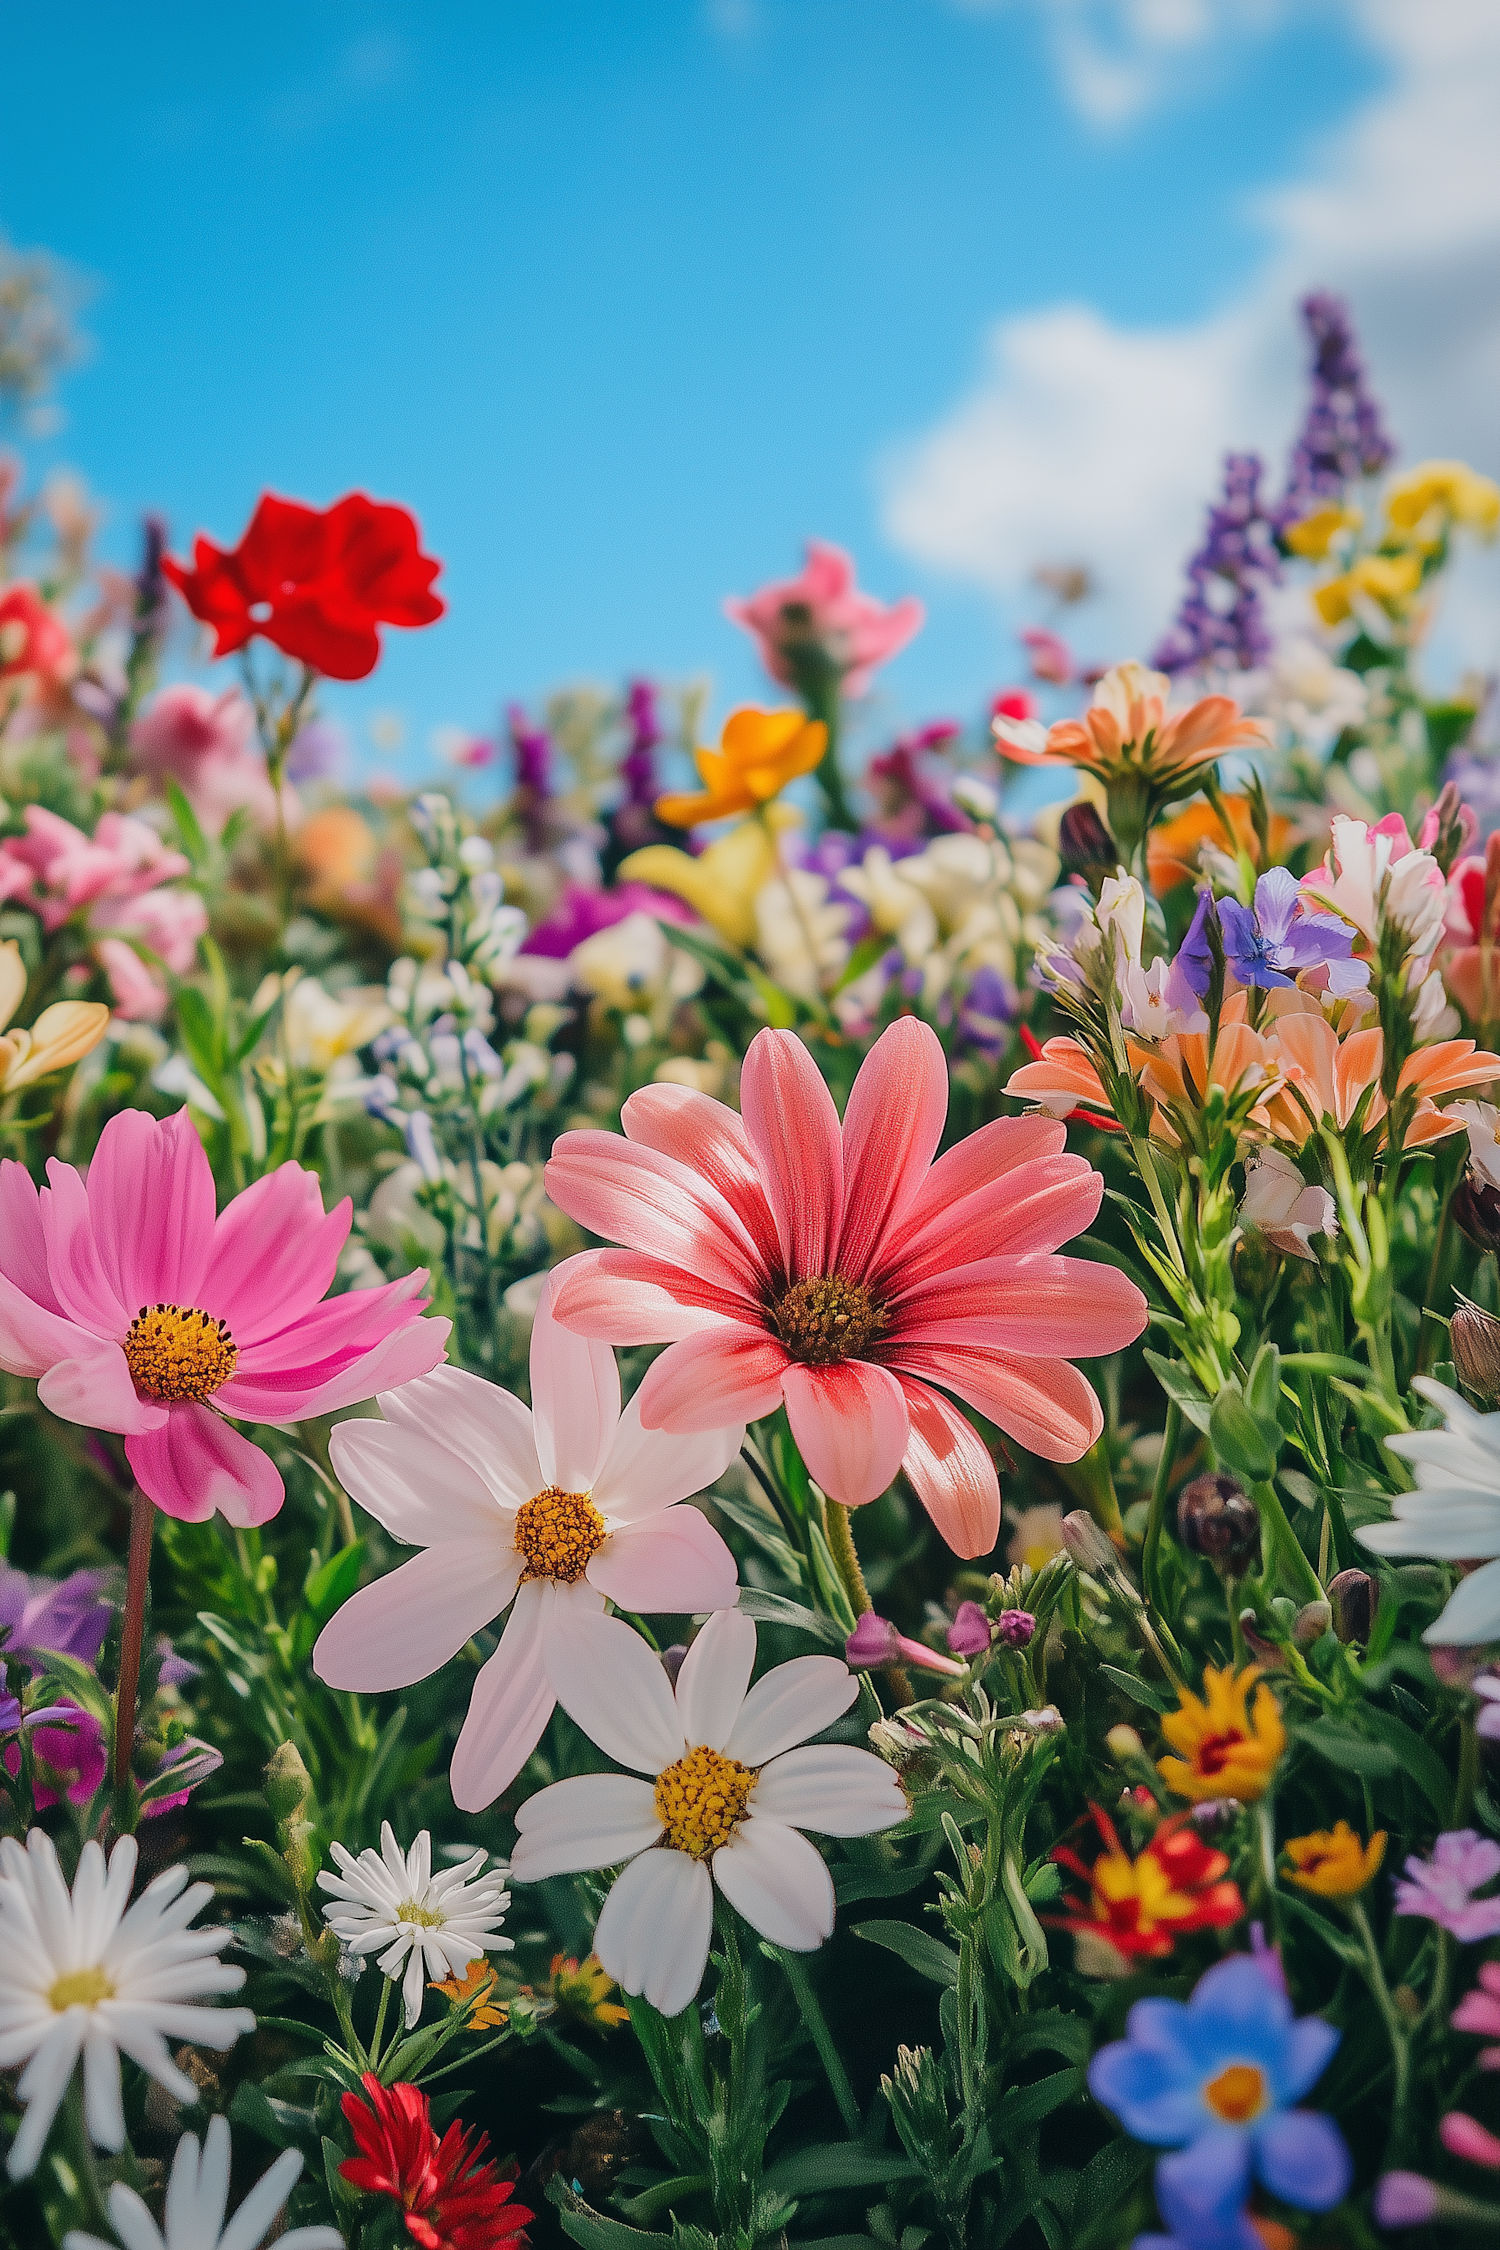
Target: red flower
[(314, 582), (33, 639), (451, 2200), (1143, 1905)]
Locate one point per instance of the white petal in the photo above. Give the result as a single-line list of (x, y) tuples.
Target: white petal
[(247, 2228), (131, 2220), (412, 1983), (206, 2183), (1473, 1612), (409, 1623), (833, 1789), (486, 1427), (408, 1480), (653, 1933), (672, 1561), (611, 1685), (790, 1703), (650, 1469), (511, 1704), (715, 1674), (575, 1398), (778, 1881), (590, 1820), (102, 2106), (43, 2083)]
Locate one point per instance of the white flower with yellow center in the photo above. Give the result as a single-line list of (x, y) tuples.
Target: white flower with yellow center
[(548, 1512), (725, 1801), (86, 1973), (197, 2195), (436, 1924)]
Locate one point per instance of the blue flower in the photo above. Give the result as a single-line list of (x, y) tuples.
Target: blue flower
[(1269, 943), (1202, 2200), (1216, 2074)]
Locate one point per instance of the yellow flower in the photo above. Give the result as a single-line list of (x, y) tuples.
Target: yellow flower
[(758, 754), (1333, 1862), (62, 1034), (1423, 504), (723, 883), (1228, 1749), (583, 1988), (479, 1985), (1315, 534), (1390, 580)]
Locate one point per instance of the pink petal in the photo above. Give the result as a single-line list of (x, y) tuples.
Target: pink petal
[(851, 1427), (575, 1398), (509, 1708), (420, 1491), (647, 1470), (151, 1207), (892, 1126), (779, 1882), (197, 1463), (78, 1277), (23, 1245), (794, 1129), (673, 1561), (951, 1472), (715, 1675), (488, 1429), (787, 1704), (1041, 1304), (731, 1375), (95, 1389), (342, 1352), (1034, 1208), (710, 1139), (409, 1623), (274, 1254), (977, 1160), (33, 1339), (624, 1297), (649, 1202), (1044, 1404)]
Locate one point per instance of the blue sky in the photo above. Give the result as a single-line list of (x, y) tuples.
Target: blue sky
[(623, 297)]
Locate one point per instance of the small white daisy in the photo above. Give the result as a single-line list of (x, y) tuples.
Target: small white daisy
[(726, 1800), (436, 1924), (196, 2197), (87, 1973)]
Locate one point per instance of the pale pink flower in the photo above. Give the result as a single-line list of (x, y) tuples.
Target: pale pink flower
[(1442, 1888), (166, 923), (1377, 874), (1464, 2136), (140, 1312), (823, 606), (55, 869), (1479, 2012), (555, 1511), (203, 742), (844, 1273)]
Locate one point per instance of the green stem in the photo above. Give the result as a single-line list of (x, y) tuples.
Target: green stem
[(1283, 1541), (817, 2026), (1151, 1551), (385, 1997), (133, 1625), (846, 1563), (80, 2150), (1397, 2029)]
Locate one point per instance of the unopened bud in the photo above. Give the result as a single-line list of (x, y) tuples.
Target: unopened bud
[(1088, 1545), (1266, 1653), (874, 1641), (1015, 1628), (301, 1858), (1084, 845), (1124, 1744), (1476, 1207), (899, 1742), (1311, 1623), (288, 1784), (969, 1634), (1215, 1816), (1049, 1720), (1354, 1595), (672, 1660), (1216, 1517), (1475, 1339)]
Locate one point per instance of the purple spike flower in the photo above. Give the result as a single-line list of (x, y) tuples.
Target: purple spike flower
[(1344, 436), (1221, 621)]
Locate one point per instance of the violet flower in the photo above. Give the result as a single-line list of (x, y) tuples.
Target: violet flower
[(63, 1617), (533, 751), (1442, 1888), (1221, 620), (988, 1009), (1195, 961), (1268, 943), (876, 1642), (1343, 436), (969, 1634)]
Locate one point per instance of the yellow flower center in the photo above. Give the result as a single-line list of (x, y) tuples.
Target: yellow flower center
[(701, 1799), (828, 1319), (409, 1911), (81, 1988), (1237, 2094), (558, 1533), (174, 1352)]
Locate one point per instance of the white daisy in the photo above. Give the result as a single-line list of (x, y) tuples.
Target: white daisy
[(196, 2196), (728, 1794), (1454, 1514), (87, 1973), (554, 1510), (436, 1924)]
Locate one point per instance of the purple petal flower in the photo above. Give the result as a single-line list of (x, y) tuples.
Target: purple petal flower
[(1194, 961), (1344, 436), (1221, 620), (1015, 1628), (969, 1634), (1442, 1888), (1404, 2199), (68, 1616)]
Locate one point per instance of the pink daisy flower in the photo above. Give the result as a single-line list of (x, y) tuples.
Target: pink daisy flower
[(141, 1312), (841, 1272)]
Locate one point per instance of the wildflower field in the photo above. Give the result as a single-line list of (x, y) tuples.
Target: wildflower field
[(750, 1503)]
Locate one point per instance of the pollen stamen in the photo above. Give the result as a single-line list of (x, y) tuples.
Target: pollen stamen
[(701, 1800), (176, 1352), (559, 1533)]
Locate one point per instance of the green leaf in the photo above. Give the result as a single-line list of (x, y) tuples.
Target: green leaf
[(328, 1588), (194, 842), (1182, 1389), (1139, 1690), (201, 1035), (1025, 2106), (277, 2122), (836, 2164), (917, 1948), (1417, 1757), (590, 2227), (1051, 2028), (1107, 2179), (775, 1609), (1335, 1936), (1238, 1439), (1341, 1746), (865, 955)]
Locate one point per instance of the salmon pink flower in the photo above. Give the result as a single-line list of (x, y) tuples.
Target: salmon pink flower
[(34, 642), (822, 614), (313, 582), (142, 1313), (844, 1273)]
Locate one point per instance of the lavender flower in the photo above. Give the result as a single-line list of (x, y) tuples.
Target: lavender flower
[(66, 1617), (1343, 436), (1442, 1888), (1268, 943), (987, 1010), (533, 749), (1221, 621)]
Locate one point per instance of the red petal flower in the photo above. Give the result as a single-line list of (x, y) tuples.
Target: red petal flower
[(395, 2133), (452, 2201), (314, 582), (33, 639)]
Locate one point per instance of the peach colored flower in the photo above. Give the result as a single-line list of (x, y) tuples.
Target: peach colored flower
[(1126, 730)]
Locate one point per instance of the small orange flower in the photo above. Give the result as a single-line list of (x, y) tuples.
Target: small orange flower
[(478, 1979), (1126, 731), (1226, 1748), (758, 754), (1333, 1862), (1172, 849)]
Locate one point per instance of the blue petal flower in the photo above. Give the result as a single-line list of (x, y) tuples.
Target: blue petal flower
[(1300, 2155)]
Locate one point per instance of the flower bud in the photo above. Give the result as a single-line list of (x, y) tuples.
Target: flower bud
[(1215, 1816), (288, 1784), (874, 1641), (1354, 1595), (1476, 1207), (1311, 1623), (1124, 1744), (1475, 1338), (1087, 1544), (673, 1659), (1405, 2199), (1085, 846), (1265, 1653), (1049, 1720), (969, 1634), (1216, 1517), (898, 1742), (1015, 1628)]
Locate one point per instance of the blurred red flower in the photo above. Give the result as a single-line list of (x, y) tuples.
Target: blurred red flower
[(33, 639), (451, 2200), (314, 582)]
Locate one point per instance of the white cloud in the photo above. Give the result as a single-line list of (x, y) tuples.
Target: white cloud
[(1117, 58), (1084, 439)]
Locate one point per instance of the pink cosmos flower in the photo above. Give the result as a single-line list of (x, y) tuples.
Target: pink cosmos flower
[(843, 1273), (825, 607), (555, 1511), (140, 1312), (1479, 2012), (1442, 1888), (203, 742)]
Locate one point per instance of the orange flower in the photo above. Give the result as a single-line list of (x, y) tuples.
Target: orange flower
[(1333, 1862), (480, 1985), (1180, 1071), (1060, 1080), (1172, 849), (1330, 1076), (1126, 731), (758, 754), (1226, 1749), (1143, 1905)]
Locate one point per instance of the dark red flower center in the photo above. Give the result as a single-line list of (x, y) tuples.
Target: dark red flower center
[(827, 1319), (1216, 1750)]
